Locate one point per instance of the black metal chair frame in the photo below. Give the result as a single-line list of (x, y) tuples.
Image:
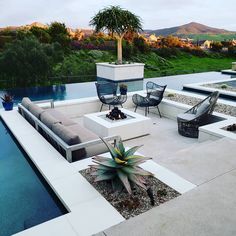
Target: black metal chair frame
[(107, 94), (153, 99), (189, 128)]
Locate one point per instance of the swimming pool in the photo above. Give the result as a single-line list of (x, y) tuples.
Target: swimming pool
[(88, 89), (56, 92), (25, 198), (63, 91)]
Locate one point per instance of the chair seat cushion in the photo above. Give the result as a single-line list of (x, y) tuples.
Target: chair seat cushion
[(186, 116)]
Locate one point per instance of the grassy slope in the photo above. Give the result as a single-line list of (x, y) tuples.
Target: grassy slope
[(192, 64), (214, 37)]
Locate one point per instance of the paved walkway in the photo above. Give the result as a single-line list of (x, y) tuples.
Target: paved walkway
[(209, 209)]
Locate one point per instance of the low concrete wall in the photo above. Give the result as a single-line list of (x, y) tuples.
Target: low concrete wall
[(169, 109)]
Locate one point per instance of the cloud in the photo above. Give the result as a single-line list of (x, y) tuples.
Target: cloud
[(154, 13)]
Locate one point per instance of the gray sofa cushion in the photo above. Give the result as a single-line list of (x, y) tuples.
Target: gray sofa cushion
[(66, 134), (26, 102), (48, 120), (36, 110), (61, 117), (86, 135)]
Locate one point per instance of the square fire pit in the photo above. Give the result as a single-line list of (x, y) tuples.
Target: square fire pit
[(134, 125)]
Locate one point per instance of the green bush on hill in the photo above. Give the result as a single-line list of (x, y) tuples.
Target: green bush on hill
[(30, 57), (28, 61)]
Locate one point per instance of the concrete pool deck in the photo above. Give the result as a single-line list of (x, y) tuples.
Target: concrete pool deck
[(84, 203), (208, 209)]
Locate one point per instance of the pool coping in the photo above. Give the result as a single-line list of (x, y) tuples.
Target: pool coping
[(84, 207), (200, 88)]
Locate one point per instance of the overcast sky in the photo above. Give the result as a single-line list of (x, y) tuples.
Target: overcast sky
[(155, 14)]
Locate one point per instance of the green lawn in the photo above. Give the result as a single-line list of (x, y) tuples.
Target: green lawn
[(191, 64)]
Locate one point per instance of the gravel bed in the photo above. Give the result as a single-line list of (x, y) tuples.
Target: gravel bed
[(218, 86), (137, 203), (222, 108)]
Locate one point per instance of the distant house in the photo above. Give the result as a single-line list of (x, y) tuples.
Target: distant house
[(153, 38), (206, 44), (233, 42), (187, 42)]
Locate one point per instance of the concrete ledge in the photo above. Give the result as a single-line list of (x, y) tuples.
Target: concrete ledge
[(198, 87)]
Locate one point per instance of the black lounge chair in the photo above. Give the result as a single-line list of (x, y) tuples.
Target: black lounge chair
[(107, 94), (153, 99), (200, 114)]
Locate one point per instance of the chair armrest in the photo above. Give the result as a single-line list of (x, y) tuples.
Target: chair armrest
[(51, 101), (116, 138)]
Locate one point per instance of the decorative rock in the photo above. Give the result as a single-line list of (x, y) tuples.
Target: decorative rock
[(116, 114), (222, 108)]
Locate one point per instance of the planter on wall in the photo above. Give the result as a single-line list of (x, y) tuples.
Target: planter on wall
[(8, 106), (124, 72)]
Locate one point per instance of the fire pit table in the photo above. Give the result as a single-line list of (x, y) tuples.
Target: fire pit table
[(134, 125)]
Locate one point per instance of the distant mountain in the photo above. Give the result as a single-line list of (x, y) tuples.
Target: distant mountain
[(37, 24), (188, 29), (85, 32)]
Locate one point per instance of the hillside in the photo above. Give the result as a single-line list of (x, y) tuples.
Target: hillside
[(188, 29)]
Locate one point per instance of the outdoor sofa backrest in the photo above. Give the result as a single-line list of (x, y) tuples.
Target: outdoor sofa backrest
[(72, 140)]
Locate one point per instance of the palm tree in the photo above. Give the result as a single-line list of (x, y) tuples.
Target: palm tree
[(118, 22)]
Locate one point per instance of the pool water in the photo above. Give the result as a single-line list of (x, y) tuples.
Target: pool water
[(63, 91), (88, 89), (25, 198), (55, 92)]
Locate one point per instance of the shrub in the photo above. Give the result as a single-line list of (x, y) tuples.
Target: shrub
[(167, 52), (96, 54), (224, 86), (27, 61), (170, 95), (195, 51), (140, 44), (216, 46)]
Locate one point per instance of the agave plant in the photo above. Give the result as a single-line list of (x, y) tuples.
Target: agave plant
[(122, 169)]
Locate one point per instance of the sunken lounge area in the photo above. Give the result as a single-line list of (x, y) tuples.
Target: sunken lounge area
[(202, 171)]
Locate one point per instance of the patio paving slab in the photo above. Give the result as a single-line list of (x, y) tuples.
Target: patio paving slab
[(163, 140), (58, 227), (201, 163), (209, 209)]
